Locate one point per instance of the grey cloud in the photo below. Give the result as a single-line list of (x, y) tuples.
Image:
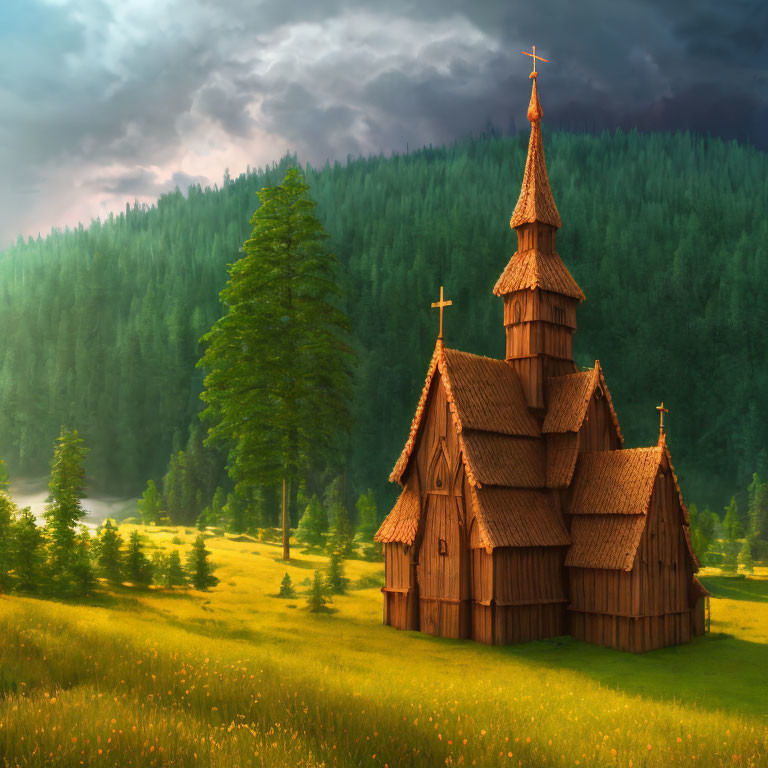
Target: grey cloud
[(94, 85), (142, 182)]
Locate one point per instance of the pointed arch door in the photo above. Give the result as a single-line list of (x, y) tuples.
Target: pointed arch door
[(442, 559)]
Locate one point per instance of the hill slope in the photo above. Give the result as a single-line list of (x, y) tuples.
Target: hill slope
[(666, 234), (237, 677)]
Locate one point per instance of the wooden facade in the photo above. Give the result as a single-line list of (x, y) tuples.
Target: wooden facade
[(648, 606), (522, 516)]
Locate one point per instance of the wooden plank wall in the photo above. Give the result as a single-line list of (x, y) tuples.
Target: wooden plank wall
[(397, 585), (698, 617), (632, 634), (529, 594), (536, 235), (539, 338), (532, 372), (436, 424), (649, 606), (482, 594), (530, 306), (598, 432), (536, 337)]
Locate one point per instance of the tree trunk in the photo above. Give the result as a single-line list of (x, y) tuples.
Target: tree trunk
[(286, 529)]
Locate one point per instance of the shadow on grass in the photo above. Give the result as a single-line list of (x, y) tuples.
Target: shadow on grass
[(737, 587), (307, 565), (116, 598), (714, 672), (368, 582), (214, 628)]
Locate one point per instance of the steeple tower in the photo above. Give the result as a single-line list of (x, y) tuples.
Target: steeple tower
[(540, 295)]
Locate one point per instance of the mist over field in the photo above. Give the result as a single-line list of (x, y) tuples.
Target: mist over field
[(33, 493)]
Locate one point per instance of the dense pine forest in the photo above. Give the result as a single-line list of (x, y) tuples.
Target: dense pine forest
[(666, 234)]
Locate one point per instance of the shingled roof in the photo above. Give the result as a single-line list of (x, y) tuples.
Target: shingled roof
[(611, 495), (487, 394), (568, 400), (562, 452), (605, 541), (483, 395), (518, 462), (402, 522), (615, 482), (536, 202), (509, 517), (535, 269)]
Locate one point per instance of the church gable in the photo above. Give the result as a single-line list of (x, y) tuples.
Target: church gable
[(483, 395), (580, 417), (618, 496), (576, 397)]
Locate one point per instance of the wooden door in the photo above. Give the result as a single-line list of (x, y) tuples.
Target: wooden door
[(439, 568)]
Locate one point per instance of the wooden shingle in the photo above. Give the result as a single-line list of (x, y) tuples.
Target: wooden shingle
[(401, 524), (518, 462), (488, 395), (536, 269), (605, 541), (615, 482), (518, 518), (562, 452), (567, 400), (536, 202)]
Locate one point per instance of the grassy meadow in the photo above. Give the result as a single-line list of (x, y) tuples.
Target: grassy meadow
[(237, 677)]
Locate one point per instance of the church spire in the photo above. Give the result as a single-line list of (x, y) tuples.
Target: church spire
[(539, 293), (536, 203)]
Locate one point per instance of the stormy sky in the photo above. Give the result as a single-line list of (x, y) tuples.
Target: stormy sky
[(108, 101)]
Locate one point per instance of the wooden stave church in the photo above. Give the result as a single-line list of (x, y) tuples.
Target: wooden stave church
[(522, 516)]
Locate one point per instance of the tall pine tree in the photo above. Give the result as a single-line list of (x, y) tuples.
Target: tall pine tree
[(63, 511), (278, 380)]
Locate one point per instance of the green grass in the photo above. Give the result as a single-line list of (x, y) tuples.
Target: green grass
[(236, 678)]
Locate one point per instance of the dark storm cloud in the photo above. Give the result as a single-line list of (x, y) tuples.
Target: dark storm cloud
[(111, 98)]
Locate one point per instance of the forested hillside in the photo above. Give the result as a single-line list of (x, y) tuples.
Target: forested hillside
[(666, 234)]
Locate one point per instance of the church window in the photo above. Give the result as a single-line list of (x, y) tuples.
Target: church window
[(558, 315), (518, 311), (442, 546), (438, 472)]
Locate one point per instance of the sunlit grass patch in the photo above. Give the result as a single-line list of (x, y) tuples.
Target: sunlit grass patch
[(235, 677)]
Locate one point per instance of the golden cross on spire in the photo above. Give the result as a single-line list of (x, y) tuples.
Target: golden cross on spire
[(662, 410), (535, 58), (442, 303)]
